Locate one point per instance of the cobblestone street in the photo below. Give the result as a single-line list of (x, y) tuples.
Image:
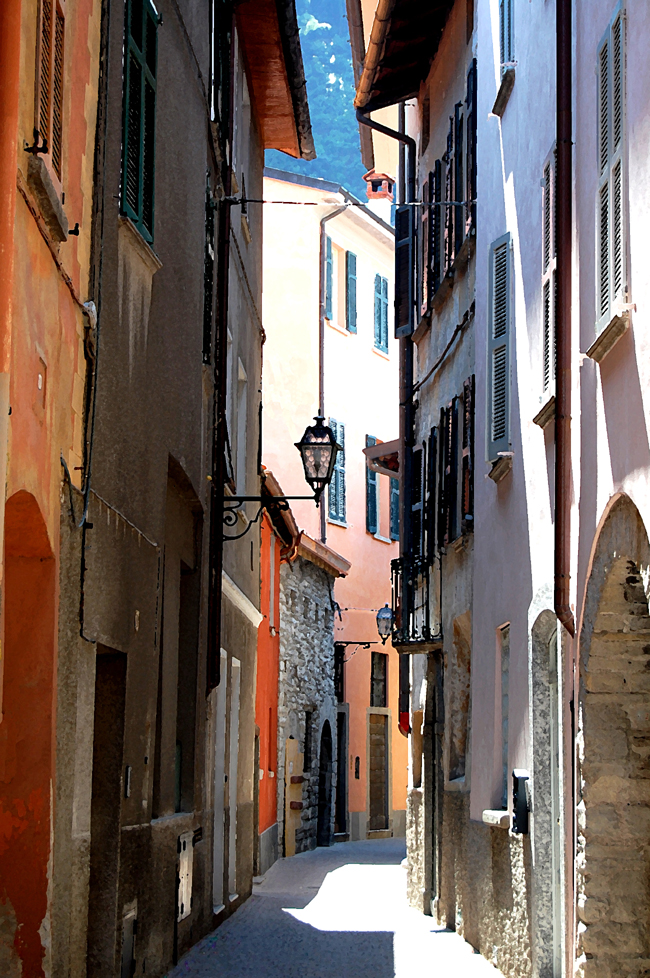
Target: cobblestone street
[(333, 913)]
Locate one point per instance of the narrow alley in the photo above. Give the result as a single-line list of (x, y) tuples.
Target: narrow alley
[(339, 912)]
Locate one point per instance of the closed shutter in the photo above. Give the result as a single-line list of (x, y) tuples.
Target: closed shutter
[(425, 249), (384, 315), (45, 72), (372, 514), (506, 33), (351, 292), (394, 509), (336, 491), (49, 97), (329, 279), (611, 287), (437, 219), (470, 153), (442, 534), (417, 502), (208, 276), (548, 275), (459, 178), (498, 433), (467, 478), (138, 164), (57, 94), (404, 270)]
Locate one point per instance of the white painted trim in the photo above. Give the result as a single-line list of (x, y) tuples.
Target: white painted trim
[(237, 597)]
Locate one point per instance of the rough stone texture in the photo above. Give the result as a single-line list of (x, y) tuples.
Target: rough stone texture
[(613, 857), (306, 683), (415, 849)]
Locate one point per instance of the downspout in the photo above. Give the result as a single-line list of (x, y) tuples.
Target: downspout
[(563, 327), (220, 398), (321, 342)]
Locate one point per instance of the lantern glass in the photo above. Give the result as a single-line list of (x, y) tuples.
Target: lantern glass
[(384, 623), (318, 450)]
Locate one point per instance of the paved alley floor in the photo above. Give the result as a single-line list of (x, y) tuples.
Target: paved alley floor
[(333, 913)]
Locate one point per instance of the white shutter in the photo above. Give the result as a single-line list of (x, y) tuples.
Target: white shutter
[(498, 407), (611, 272)]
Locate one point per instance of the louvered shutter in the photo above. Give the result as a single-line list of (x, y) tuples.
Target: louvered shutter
[(57, 94), (394, 509), (498, 433), (506, 32), (332, 489), (340, 464), (372, 515), (384, 314), (442, 534), (432, 490), (611, 269), (417, 502), (467, 475), (548, 275), (404, 270), (329, 279), (425, 249), (459, 178), (138, 164), (208, 276), (448, 212), (451, 471), (378, 331), (351, 292), (437, 219), (49, 100), (404, 704), (45, 73), (470, 153)]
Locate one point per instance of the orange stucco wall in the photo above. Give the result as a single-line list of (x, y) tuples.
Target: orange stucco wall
[(268, 658)]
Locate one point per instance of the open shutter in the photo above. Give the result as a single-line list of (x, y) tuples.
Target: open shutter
[(442, 534), (505, 31), (437, 219), (45, 72), (372, 515), (548, 274), (340, 463), (384, 314), (208, 276), (432, 502), (351, 292), (404, 705), (138, 164), (404, 249), (603, 291), (498, 434), (619, 283), (459, 178), (378, 311), (57, 93), (448, 216), (329, 279), (467, 482), (417, 502), (470, 151), (451, 471), (394, 509), (425, 248)]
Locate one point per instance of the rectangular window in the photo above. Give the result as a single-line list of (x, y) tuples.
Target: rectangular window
[(498, 428), (394, 509), (506, 33), (372, 493), (329, 280), (138, 153), (350, 292), (381, 313), (548, 275), (49, 98), (336, 489), (378, 679), (611, 272)]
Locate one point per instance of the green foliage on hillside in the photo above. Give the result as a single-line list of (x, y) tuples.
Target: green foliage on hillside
[(330, 87)]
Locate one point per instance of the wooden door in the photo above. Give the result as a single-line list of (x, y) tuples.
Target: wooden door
[(378, 772)]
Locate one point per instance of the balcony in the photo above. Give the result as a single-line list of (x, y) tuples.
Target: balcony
[(415, 628)]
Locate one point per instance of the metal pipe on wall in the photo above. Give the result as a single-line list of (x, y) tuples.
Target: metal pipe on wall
[(563, 318)]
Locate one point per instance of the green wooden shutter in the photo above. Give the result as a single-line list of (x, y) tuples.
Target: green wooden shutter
[(138, 160), (404, 270), (498, 432), (372, 501), (378, 332), (351, 292), (331, 489), (394, 509), (336, 491), (329, 279)]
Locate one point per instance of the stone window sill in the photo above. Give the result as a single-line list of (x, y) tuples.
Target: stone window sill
[(496, 818), (42, 187), (337, 523), (504, 93), (456, 785), (546, 414), (338, 328), (142, 247), (607, 340), (501, 467), (381, 353)]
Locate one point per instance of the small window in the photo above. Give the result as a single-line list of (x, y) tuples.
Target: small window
[(336, 490), (140, 116), (50, 67), (378, 679), (381, 313)]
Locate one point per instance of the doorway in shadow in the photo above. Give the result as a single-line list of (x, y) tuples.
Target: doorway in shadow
[(324, 828)]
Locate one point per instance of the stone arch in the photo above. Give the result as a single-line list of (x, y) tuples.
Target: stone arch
[(26, 748), (547, 815), (613, 844)]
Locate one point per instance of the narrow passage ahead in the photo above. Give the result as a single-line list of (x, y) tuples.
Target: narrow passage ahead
[(333, 913)]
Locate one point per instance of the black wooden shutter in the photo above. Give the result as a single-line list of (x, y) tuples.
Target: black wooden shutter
[(467, 487), (431, 515), (448, 158), (351, 292), (394, 509), (437, 221), (378, 330), (453, 522), (417, 502), (459, 181), (208, 276), (404, 705), (329, 278), (372, 521), (470, 152), (138, 164), (442, 442), (404, 247)]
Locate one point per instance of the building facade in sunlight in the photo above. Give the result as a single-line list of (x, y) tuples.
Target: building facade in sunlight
[(520, 590), (327, 295)]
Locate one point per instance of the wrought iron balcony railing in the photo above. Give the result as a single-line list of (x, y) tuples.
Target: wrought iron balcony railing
[(413, 627)]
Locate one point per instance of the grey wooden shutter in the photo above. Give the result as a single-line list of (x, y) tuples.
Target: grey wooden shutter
[(459, 179), (372, 515), (384, 314), (437, 221), (417, 502), (470, 151), (329, 278), (404, 270), (394, 509), (351, 292), (208, 276), (498, 431), (467, 476)]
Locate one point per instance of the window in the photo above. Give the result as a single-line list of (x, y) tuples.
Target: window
[(49, 102), (394, 509), (378, 679), (548, 274), (611, 277), (329, 280), (350, 292), (506, 34), (372, 493), (498, 428), (381, 313), (336, 490), (140, 116)]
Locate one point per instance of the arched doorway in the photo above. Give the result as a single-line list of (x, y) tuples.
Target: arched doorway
[(324, 828), (613, 844), (26, 764)]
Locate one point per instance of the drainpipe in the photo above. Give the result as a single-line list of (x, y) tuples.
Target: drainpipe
[(406, 409), (10, 48), (563, 327), (220, 398), (321, 342)]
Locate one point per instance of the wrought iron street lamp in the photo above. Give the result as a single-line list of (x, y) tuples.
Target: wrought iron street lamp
[(384, 623)]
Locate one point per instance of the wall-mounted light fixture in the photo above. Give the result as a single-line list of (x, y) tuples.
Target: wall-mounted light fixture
[(384, 623)]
